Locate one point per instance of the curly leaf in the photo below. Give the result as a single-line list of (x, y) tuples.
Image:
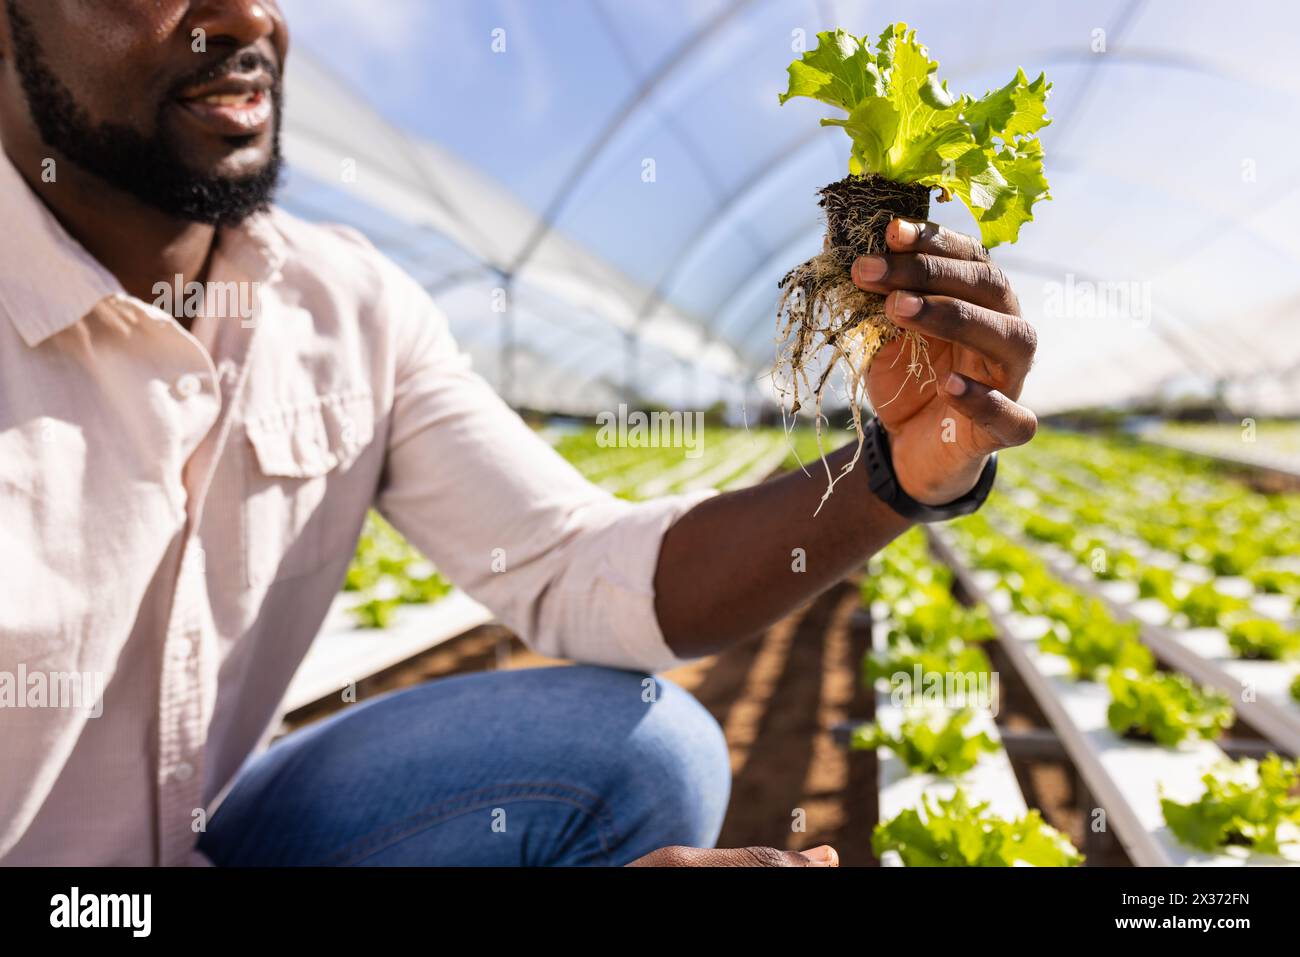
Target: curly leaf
[(906, 126)]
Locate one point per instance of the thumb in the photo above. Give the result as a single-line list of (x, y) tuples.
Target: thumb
[(823, 856)]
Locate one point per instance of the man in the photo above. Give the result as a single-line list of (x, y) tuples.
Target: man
[(180, 493)]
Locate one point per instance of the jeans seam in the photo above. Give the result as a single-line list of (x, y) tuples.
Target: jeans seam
[(393, 833)]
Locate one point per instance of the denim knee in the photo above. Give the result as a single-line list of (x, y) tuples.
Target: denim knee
[(676, 773)]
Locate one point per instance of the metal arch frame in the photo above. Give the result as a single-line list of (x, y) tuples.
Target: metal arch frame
[(408, 146), (630, 385), (556, 369), (731, 201), (688, 142), (759, 273), (748, 184), (1119, 27), (1165, 330), (597, 147), (460, 277), (545, 362), (1143, 56), (591, 346)]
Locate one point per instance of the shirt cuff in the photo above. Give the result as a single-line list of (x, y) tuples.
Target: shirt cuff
[(625, 591)]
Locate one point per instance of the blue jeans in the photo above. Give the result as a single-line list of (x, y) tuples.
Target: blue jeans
[(551, 766)]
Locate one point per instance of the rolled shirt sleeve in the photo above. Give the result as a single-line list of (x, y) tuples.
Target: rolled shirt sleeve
[(569, 567)]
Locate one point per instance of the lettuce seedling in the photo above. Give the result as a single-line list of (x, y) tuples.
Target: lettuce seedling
[(387, 572), (1263, 638), (1098, 643), (955, 833), (910, 136), (1255, 804), (1165, 707), (903, 660), (936, 621), (932, 742), (1207, 607)]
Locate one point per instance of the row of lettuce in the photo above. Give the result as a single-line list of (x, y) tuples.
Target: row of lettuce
[(930, 635), (1089, 498), (1247, 802)]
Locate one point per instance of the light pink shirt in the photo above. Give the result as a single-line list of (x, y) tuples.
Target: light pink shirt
[(177, 510)]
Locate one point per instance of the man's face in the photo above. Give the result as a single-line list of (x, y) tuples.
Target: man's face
[(175, 102)]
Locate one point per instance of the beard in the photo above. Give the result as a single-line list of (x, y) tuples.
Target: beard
[(149, 168)]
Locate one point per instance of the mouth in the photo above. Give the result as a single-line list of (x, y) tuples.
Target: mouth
[(236, 106)]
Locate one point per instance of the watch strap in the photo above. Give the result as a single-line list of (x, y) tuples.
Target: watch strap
[(885, 485)]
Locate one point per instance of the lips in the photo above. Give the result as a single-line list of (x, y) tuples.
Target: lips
[(233, 106)]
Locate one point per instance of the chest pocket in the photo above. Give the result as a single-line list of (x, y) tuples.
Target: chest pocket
[(301, 507)]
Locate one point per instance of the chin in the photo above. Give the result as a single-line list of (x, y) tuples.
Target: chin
[(242, 163)]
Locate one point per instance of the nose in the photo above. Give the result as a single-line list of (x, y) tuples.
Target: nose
[(240, 23)]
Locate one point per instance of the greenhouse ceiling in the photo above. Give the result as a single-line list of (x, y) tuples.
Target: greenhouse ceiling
[(603, 195)]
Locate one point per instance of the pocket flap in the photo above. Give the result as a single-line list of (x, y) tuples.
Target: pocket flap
[(313, 438)]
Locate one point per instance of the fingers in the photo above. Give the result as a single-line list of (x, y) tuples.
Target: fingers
[(1007, 423), (976, 281), (909, 236), (823, 856), (1006, 339)]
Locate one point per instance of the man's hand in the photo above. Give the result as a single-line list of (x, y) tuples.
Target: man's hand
[(724, 569), (823, 856), (942, 285)]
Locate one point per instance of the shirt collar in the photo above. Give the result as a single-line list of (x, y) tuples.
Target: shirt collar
[(50, 282)]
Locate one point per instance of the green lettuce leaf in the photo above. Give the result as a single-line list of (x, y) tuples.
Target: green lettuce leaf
[(1249, 802), (1166, 706), (906, 126), (954, 833), (933, 742)]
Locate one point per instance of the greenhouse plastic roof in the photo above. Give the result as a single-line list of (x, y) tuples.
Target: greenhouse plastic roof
[(513, 183)]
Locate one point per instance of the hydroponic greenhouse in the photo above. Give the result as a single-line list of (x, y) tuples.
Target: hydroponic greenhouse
[(898, 429), (603, 204)]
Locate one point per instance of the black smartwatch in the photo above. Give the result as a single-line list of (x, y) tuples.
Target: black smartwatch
[(884, 483)]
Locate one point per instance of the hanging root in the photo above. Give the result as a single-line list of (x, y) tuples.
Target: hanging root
[(825, 322)]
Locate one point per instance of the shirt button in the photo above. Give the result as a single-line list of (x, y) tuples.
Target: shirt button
[(183, 771), (188, 386), (183, 647)]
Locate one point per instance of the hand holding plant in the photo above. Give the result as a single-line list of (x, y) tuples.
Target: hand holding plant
[(892, 297)]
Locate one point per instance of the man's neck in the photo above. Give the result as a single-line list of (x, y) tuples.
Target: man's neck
[(136, 243)]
